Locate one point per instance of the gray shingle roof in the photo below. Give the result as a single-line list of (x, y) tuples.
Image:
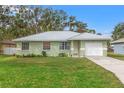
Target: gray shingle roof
[(62, 36), (118, 41)]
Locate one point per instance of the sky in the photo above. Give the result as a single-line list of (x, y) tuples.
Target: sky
[(101, 18)]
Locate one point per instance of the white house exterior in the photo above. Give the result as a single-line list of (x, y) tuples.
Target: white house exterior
[(118, 46), (72, 43)]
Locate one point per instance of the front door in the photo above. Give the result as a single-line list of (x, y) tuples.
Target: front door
[(76, 49)]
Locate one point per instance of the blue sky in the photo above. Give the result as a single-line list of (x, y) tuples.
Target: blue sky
[(101, 18)]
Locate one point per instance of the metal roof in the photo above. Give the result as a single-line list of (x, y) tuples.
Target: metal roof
[(62, 36), (49, 36), (89, 36), (118, 41)]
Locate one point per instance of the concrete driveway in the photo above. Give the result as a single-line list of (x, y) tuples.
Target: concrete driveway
[(114, 65)]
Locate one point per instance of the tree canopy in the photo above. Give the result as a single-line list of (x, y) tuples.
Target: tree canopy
[(118, 31), (19, 21)]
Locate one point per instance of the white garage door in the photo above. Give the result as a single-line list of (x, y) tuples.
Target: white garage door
[(9, 51), (93, 49)]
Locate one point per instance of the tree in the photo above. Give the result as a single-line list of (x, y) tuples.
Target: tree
[(75, 25), (118, 31), (91, 31), (53, 20), (22, 22), (5, 21), (72, 23), (81, 27), (4, 16), (19, 21)]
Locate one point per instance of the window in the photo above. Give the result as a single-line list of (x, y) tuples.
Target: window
[(67, 45), (46, 45), (64, 46), (25, 45)]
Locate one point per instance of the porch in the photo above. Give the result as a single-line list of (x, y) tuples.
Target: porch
[(77, 48)]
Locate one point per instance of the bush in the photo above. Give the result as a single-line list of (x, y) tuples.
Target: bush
[(19, 56), (111, 54), (38, 55), (44, 54), (62, 55), (29, 55), (32, 55)]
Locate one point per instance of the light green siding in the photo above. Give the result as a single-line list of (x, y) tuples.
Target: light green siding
[(82, 48), (37, 48), (104, 48)]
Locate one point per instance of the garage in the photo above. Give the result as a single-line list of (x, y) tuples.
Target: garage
[(93, 49)]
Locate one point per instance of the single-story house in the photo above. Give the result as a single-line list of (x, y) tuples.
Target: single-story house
[(54, 42), (7, 47), (118, 46)]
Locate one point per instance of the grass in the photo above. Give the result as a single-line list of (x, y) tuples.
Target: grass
[(117, 56), (54, 72)]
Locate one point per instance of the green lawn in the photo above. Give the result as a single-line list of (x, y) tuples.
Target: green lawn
[(117, 56), (55, 72)]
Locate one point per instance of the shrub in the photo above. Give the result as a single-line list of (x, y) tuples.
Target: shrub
[(38, 55), (114, 55), (29, 55), (32, 55), (19, 56), (62, 55), (44, 54)]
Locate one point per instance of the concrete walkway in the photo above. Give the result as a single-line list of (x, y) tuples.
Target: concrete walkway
[(114, 65)]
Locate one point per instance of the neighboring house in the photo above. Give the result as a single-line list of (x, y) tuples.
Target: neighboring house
[(7, 47), (72, 43), (118, 46)]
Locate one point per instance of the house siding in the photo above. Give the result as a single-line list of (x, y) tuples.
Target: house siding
[(37, 48), (119, 48), (82, 48), (104, 43)]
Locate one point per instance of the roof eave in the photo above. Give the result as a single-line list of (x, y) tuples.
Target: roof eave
[(90, 39), (36, 40), (116, 42)]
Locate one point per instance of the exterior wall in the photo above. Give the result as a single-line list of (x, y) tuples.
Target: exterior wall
[(82, 48), (119, 48), (75, 49), (37, 48), (104, 43)]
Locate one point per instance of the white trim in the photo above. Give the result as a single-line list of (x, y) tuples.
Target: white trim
[(72, 49), (18, 49), (81, 56), (82, 48), (104, 48)]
